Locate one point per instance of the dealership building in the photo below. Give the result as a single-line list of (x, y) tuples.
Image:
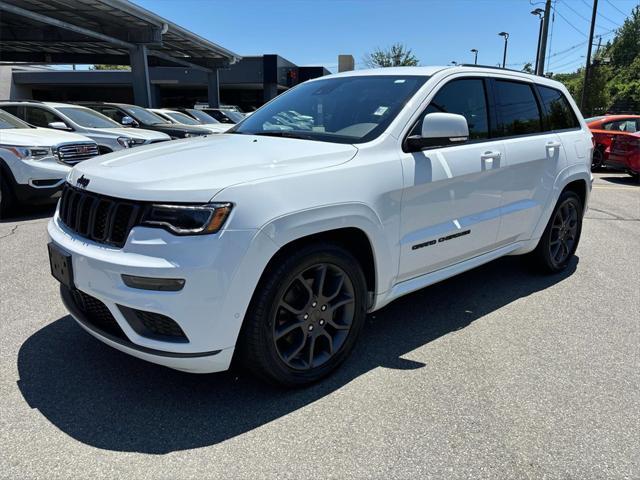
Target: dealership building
[(169, 65)]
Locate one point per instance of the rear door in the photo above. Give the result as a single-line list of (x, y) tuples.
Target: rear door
[(533, 156), (452, 195)]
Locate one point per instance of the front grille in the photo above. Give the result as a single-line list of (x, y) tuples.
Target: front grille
[(72, 153), (153, 325), (97, 217), (97, 314)]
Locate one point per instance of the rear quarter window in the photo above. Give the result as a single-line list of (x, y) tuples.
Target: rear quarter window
[(558, 112)]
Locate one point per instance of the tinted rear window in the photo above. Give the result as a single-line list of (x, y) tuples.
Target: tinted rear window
[(559, 114), (518, 112)]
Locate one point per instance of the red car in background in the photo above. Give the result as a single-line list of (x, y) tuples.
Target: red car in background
[(624, 154), (605, 129)]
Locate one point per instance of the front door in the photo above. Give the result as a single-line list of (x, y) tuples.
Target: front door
[(452, 195)]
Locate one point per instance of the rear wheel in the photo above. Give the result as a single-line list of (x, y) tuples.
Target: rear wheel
[(560, 239), (305, 316), (598, 158)]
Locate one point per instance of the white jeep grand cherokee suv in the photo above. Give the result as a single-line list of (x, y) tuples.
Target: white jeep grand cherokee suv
[(271, 243), (34, 162)]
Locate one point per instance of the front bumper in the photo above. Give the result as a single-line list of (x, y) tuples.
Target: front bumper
[(35, 181), (221, 272)]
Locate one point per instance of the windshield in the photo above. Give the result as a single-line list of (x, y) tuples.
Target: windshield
[(86, 117), (8, 121), (349, 109), (233, 115), (182, 118), (144, 116), (201, 116)]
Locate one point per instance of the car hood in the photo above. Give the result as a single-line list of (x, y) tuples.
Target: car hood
[(216, 127), (132, 133), (196, 169), (38, 137)]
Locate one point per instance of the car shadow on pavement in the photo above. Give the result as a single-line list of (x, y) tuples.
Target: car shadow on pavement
[(30, 213), (109, 400), (621, 180)]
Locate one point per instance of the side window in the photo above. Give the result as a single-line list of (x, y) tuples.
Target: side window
[(465, 97), (12, 109), (621, 126), (518, 112), (40, 117), (559, 114), (112, 113)]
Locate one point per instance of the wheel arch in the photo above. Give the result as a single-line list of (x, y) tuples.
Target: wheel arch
[(356, 227)]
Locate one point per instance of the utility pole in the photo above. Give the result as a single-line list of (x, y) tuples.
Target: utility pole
[(585, 83), (542, 51)]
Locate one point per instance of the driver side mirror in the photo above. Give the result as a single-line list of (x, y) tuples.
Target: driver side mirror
[(128, 121), (58, 126), (439, 130)]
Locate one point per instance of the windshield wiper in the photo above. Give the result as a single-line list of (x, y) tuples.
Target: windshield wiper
[(285, 134)]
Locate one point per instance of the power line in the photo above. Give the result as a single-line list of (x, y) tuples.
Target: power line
[(602, 16), (568, 22), (625, 15), (577, 13)]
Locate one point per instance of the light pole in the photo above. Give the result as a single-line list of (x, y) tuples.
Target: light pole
[(538, 12), (475, 52), (506, 42)]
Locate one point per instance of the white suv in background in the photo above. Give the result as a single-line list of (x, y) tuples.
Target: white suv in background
[(271, 243), (34, 162), (109, 135), (183, 119)]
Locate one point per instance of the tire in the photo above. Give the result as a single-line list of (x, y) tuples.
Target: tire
[(560, 239), (7, 198), (598, 159), (295, 334), (635, 176)]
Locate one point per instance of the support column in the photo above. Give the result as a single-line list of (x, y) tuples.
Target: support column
[(213, 88), (140, 75), (270, 91)]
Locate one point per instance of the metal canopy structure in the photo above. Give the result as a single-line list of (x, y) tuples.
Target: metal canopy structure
[(106, 32)]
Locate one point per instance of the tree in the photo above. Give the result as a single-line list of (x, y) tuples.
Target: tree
[(103, 66), (397, 55), (614, 76), (528, 68)]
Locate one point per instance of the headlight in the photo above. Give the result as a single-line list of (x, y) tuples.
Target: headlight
[(188, 219), (28, 153), (126, 142)]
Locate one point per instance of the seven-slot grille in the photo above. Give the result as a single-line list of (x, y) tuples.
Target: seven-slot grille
[(97, 217), (72, 153)]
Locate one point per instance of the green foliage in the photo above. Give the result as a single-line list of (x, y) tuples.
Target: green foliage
[(614, 76), (396, 56), (528, 68), (109, 67)]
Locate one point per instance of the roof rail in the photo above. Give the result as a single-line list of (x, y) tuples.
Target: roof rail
[(19, 101), (492, 67)]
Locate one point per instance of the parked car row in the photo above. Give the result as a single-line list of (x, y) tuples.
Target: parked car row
[(41, 141), (616, 141)]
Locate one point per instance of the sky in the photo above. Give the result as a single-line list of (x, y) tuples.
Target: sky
[(314, 32)]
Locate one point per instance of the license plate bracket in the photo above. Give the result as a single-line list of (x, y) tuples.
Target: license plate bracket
[(61, 265)]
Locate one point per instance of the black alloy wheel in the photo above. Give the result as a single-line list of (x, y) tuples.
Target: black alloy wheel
[(314, 316), (560, 239), (305, 315)]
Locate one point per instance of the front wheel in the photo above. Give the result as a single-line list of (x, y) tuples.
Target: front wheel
[(305, 316), (560, 239)]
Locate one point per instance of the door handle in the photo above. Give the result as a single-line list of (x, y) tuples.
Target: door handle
[(553, 144), (490, 155)]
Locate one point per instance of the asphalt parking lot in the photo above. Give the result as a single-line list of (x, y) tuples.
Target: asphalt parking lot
[(497, 373)]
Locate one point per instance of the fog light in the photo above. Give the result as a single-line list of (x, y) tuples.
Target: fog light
[(148, 283)]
